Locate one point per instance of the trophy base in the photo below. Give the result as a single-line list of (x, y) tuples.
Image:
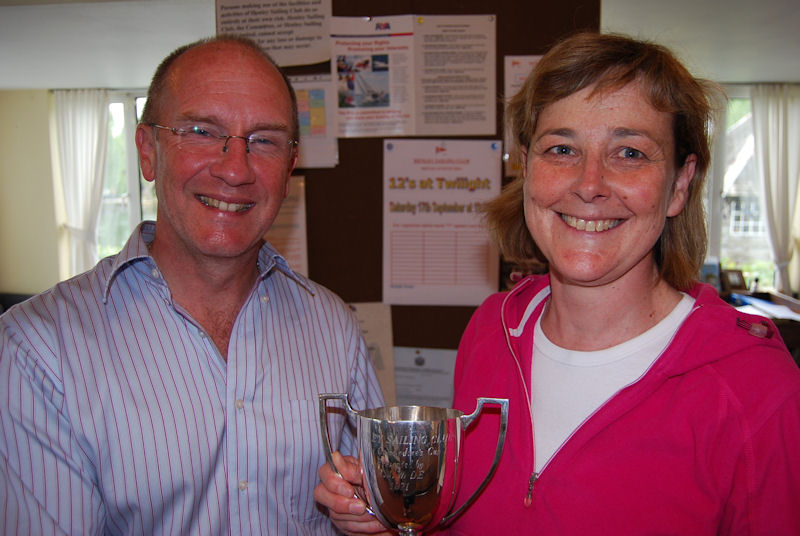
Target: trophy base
[(409, 529)]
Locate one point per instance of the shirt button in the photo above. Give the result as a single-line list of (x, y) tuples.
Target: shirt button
[(264, 299), (239, 404), (154, 272), (242, 485)]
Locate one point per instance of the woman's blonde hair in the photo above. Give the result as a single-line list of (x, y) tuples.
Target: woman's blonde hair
[(609, 62)]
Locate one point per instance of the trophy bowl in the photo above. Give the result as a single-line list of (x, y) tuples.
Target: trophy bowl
[(410, 460)]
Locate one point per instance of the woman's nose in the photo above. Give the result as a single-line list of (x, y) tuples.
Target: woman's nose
[(591, 183)]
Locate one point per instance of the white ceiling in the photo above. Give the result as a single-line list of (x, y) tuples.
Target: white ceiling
[(102, 43), (731, 41)]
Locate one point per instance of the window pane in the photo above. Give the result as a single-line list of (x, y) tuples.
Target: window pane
[(744, 244), (112, 225)]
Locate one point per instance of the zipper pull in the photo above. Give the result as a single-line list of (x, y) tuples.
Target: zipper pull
[(529, 496)]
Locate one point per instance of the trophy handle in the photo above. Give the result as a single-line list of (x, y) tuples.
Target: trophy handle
[(466, 420), (326, 437)]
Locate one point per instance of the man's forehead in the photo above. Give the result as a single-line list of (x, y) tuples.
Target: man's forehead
[(212, 56), (221, 67)]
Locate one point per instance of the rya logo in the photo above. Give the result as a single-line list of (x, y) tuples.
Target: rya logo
[(382, 26), (440, 149)]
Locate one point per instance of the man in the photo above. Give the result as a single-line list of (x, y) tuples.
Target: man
[(173, 388)]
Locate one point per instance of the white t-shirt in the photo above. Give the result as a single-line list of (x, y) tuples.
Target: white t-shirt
[(569, 385)]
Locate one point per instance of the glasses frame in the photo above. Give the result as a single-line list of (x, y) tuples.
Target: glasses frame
[(247, 139)]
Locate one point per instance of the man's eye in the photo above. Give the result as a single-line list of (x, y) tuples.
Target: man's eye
[(199, 131), (262, 140)]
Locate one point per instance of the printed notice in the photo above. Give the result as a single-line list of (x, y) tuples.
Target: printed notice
[(435, 248), (288, 232), (414, 75), (294, 32), (516, 70), (375, 321), (424, 376), (316, 104)]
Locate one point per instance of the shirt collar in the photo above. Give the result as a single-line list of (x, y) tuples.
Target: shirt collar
[(136, 249), (269, 259)]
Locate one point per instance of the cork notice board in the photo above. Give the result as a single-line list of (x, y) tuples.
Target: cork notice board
[(344, 203)]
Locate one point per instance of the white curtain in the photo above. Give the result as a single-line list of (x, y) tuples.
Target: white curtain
[(81, 117), (776, 129)]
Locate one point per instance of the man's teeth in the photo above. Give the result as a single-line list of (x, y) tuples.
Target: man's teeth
[(222, 205), (590, 225)]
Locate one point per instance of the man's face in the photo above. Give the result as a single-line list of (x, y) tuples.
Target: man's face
[(215, 203)]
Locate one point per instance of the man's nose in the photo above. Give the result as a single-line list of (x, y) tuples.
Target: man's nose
[(233, 165)]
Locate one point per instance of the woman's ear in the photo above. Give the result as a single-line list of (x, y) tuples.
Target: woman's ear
[(680, 189), (146, 147), (523, 154)]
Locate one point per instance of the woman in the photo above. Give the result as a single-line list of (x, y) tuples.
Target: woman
[(641, 403)]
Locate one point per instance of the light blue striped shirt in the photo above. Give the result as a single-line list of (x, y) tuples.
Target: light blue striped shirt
[(118, 415)]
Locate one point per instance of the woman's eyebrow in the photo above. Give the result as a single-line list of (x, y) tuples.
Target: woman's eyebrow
[(561, 131), (625, 132)]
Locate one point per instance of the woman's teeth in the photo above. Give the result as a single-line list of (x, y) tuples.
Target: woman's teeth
[(222, 205), (590, 225)]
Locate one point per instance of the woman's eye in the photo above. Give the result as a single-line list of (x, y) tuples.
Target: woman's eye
[(630, 152), (564, 150)]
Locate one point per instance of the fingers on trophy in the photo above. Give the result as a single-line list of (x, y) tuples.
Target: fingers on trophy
[(410, 457)]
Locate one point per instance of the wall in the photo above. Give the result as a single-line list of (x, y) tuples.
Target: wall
[(28, 250), (344, 204)]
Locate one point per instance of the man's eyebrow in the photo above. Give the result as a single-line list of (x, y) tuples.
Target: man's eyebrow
[(270, 126), (213, 120)]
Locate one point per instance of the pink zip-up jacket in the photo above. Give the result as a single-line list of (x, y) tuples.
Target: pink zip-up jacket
[(707, 441)]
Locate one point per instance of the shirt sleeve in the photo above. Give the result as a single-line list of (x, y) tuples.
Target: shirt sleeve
[(365, 390), (46, 481)]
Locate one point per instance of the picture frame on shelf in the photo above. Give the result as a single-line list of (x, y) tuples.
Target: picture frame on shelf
[(732, 281)]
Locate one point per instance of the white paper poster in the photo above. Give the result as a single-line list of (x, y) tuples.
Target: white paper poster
[(294, 32), (316, 114), (436, 250), (515, 70), (414, 75), (375, 321), (288, 232), (424, 376)]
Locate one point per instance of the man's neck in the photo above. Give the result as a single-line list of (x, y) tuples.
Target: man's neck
[(211, 290)]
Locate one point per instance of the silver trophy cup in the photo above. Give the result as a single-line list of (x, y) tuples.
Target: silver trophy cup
[(410, 458)]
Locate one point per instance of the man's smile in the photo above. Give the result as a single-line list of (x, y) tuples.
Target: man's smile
[(224, 206)]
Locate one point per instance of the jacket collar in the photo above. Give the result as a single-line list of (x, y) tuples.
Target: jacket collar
[(713, 330)]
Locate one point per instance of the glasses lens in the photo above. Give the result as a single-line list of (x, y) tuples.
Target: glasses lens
[(201, 138), (269, 144)]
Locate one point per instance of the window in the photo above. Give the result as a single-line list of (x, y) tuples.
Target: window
[(127, 198), (737, 230)]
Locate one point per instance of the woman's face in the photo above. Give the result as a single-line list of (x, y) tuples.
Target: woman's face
[(600, 181)]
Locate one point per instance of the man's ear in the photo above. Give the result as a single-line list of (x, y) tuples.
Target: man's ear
[(146, 147), (292, 164), (680, 189)]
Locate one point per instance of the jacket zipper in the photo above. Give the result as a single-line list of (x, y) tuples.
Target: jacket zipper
[(529, 496), (528, 500)]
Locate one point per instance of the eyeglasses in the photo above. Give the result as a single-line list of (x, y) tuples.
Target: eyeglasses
[(205, 139)]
